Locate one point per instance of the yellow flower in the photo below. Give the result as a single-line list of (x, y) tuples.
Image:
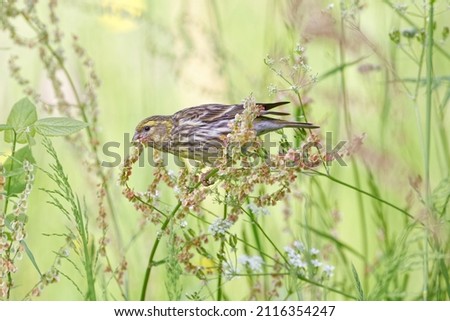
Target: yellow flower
[(121, 15), (207, 264)]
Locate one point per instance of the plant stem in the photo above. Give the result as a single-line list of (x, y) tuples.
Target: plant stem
[(429, 91), (348, 125), (154, 248), (334, 179), (164, 225), (5, 208), (8, 179), (255, 223), (259, 246), (88, 262), (221, 255)]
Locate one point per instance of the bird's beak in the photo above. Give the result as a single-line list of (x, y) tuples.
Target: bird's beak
[(136, 137)]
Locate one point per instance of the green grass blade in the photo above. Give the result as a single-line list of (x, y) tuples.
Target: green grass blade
[(358, 284), (31, 256)]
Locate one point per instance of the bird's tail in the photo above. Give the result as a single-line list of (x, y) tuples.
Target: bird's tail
[(269, 106), (264, 125), (296, 124)]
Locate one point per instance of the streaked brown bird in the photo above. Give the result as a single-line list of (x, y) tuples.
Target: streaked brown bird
[(197, 132)]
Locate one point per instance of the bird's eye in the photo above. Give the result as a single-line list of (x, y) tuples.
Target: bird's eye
[(147, 128)]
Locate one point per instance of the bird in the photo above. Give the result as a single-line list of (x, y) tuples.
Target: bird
[(198, 132)]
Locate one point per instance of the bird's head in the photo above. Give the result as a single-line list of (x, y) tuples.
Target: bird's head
[(154, 129)]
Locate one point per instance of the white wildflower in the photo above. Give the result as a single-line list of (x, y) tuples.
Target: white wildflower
[(254, 263), (220, 227), (314, 251), (272, 89), (316, 263), (228, 270), (328, 270), (258, 210), (294, 257)]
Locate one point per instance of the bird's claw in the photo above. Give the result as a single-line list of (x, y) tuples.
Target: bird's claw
[(205, 179)]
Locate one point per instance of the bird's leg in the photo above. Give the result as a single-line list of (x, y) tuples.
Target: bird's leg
[(205, 178)]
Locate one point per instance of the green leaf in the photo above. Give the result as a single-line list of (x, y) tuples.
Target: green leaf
[(10, 218), (357, 284), (14, 170), (58, 126), (4, 127), (22, 116), (31, 256)]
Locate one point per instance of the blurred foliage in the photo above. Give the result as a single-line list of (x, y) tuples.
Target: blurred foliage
[(374, 81)]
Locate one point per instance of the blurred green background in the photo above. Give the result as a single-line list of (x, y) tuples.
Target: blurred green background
[(157, 57)]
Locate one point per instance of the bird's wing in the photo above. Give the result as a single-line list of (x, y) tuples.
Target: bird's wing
[(208, 112), (212, 112)]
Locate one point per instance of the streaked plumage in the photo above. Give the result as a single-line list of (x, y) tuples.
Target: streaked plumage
[(197, 132)]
